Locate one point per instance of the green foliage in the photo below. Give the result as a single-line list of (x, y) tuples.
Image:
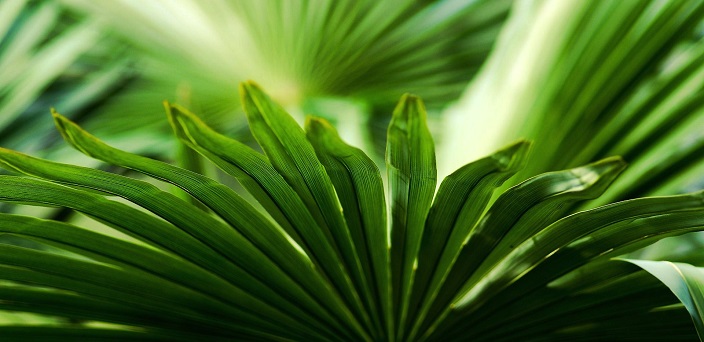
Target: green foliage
[(319, 261), (684, 280), (590, 79), (195, 52), (47, 56)]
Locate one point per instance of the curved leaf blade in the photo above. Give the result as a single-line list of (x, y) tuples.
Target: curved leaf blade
[(284, 142), (264, 236), (359, 187), (583, 237), (685, 281), (518, 214), (128, 255), (460, 201), (259, 177)]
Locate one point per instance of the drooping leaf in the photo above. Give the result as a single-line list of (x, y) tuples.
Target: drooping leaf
[(593, 234), (262, 234), (685, 281)]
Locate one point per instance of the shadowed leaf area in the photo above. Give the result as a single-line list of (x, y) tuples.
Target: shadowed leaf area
[(325, 255)]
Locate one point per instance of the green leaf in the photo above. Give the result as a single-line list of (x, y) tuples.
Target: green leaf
[(518, 214), (565, 189), (323, 263), (365, 49), (685, 281), (285, 144), (412, 176), (26, 72), (260, 178), (131, 256), (267, 242), (609, 73), (255, 173), (148, 229), (80, 307), (576, 241), (594, 294), (128, 287), (460, 201), (359, 187), (579, 238), (38, 333)]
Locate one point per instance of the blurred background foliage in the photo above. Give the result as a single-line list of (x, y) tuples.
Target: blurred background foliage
[(365, 52), (582, 79), (589, 79)]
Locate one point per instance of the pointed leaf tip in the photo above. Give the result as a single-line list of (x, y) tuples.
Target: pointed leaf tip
[(603, 171), (182, 121), (248, 88), (408, 97), (410, 106), (167, 107), (614, 164), (314, 123), (62, 124), (319, 127), (54, 113), (513, 156)]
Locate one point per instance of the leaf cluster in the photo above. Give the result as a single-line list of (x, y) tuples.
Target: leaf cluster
[(323, 260)]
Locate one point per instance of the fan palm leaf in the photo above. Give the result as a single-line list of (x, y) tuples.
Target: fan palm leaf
[(319, 261)]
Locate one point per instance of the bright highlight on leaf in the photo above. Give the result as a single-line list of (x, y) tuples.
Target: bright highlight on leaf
[(329, 257)]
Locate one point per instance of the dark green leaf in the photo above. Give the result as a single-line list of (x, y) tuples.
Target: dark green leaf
[(412, 175), (360, 189), (461, 199), (285, 144)]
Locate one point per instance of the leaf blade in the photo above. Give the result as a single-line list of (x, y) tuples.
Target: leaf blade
[(685, 281), (360, 189), (412, 176), (285, 144)]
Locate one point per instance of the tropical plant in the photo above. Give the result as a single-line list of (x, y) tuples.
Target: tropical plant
[(321, 260)]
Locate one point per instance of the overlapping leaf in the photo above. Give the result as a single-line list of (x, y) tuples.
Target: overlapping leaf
[(616, 78), (322, 263)]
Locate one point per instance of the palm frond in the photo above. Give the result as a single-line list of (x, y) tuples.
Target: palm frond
[(320, 262)]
